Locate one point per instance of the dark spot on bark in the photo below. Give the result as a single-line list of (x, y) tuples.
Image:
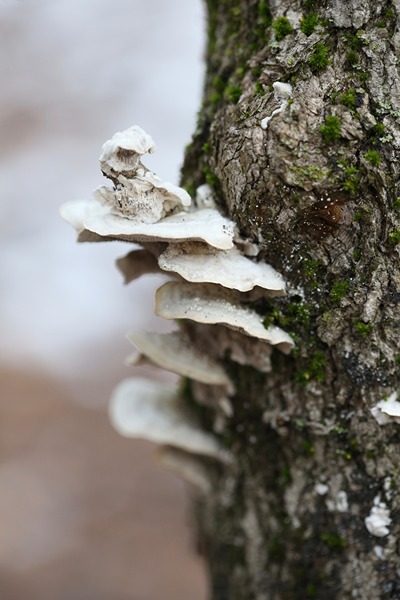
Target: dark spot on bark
[(362, 374), (393, 296), (392, 589), (324, 216)]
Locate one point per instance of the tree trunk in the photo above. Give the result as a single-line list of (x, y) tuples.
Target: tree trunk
[(309, 506)]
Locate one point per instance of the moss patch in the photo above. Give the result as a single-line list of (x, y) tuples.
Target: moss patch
[(377, 130), (352, 60), (362, 329), (333, 541), (233, 93), (354, 41), (349, 99), (282, 27), (319, 59), (315, 370), (394, 237), (331, 130), (339, 290), (373, 157), (351, 181), (308, 23)]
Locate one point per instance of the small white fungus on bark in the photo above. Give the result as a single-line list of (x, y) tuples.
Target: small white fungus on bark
[(378, 520), (204, 197), (321, 488), (387, 411), (379, 552), (341, 502), (282, 92)]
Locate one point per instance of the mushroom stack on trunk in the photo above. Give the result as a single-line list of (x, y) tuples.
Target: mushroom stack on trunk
[(215, 278)]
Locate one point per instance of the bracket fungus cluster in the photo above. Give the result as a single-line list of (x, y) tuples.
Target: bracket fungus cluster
[(215, 275)]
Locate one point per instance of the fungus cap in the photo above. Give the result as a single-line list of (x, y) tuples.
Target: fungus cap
[(77, 211), (145, 409), (174, 194), (204, 303), (206, 225), (199, 263), (123, 151), (174, 352)]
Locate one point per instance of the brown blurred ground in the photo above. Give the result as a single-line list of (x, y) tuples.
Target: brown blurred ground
[(85, 514)]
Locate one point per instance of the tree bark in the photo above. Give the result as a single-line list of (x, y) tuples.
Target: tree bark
[(318, 191)]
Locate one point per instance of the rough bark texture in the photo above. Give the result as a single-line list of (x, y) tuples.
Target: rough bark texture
[(321, 198)]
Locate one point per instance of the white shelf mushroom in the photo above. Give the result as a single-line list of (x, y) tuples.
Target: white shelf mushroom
[(199, 263), (138, 193), (141, 408), (175, 352), (206, 225), (240, 348), (204, 303), (77, 211)]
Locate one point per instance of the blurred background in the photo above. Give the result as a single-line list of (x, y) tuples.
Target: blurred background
[(84, 514)]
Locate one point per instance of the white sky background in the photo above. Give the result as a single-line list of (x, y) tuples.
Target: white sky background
[(73, 72)]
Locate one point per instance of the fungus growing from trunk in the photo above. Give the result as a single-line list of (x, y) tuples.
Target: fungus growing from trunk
[(378, 520), (206, 225), (387, 411), (121, 154), (137, 193), (204, 303), (193, 241), (174, 352), (145, 409), (198, 263)]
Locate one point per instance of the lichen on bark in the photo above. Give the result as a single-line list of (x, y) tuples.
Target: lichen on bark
[(318, 190)]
